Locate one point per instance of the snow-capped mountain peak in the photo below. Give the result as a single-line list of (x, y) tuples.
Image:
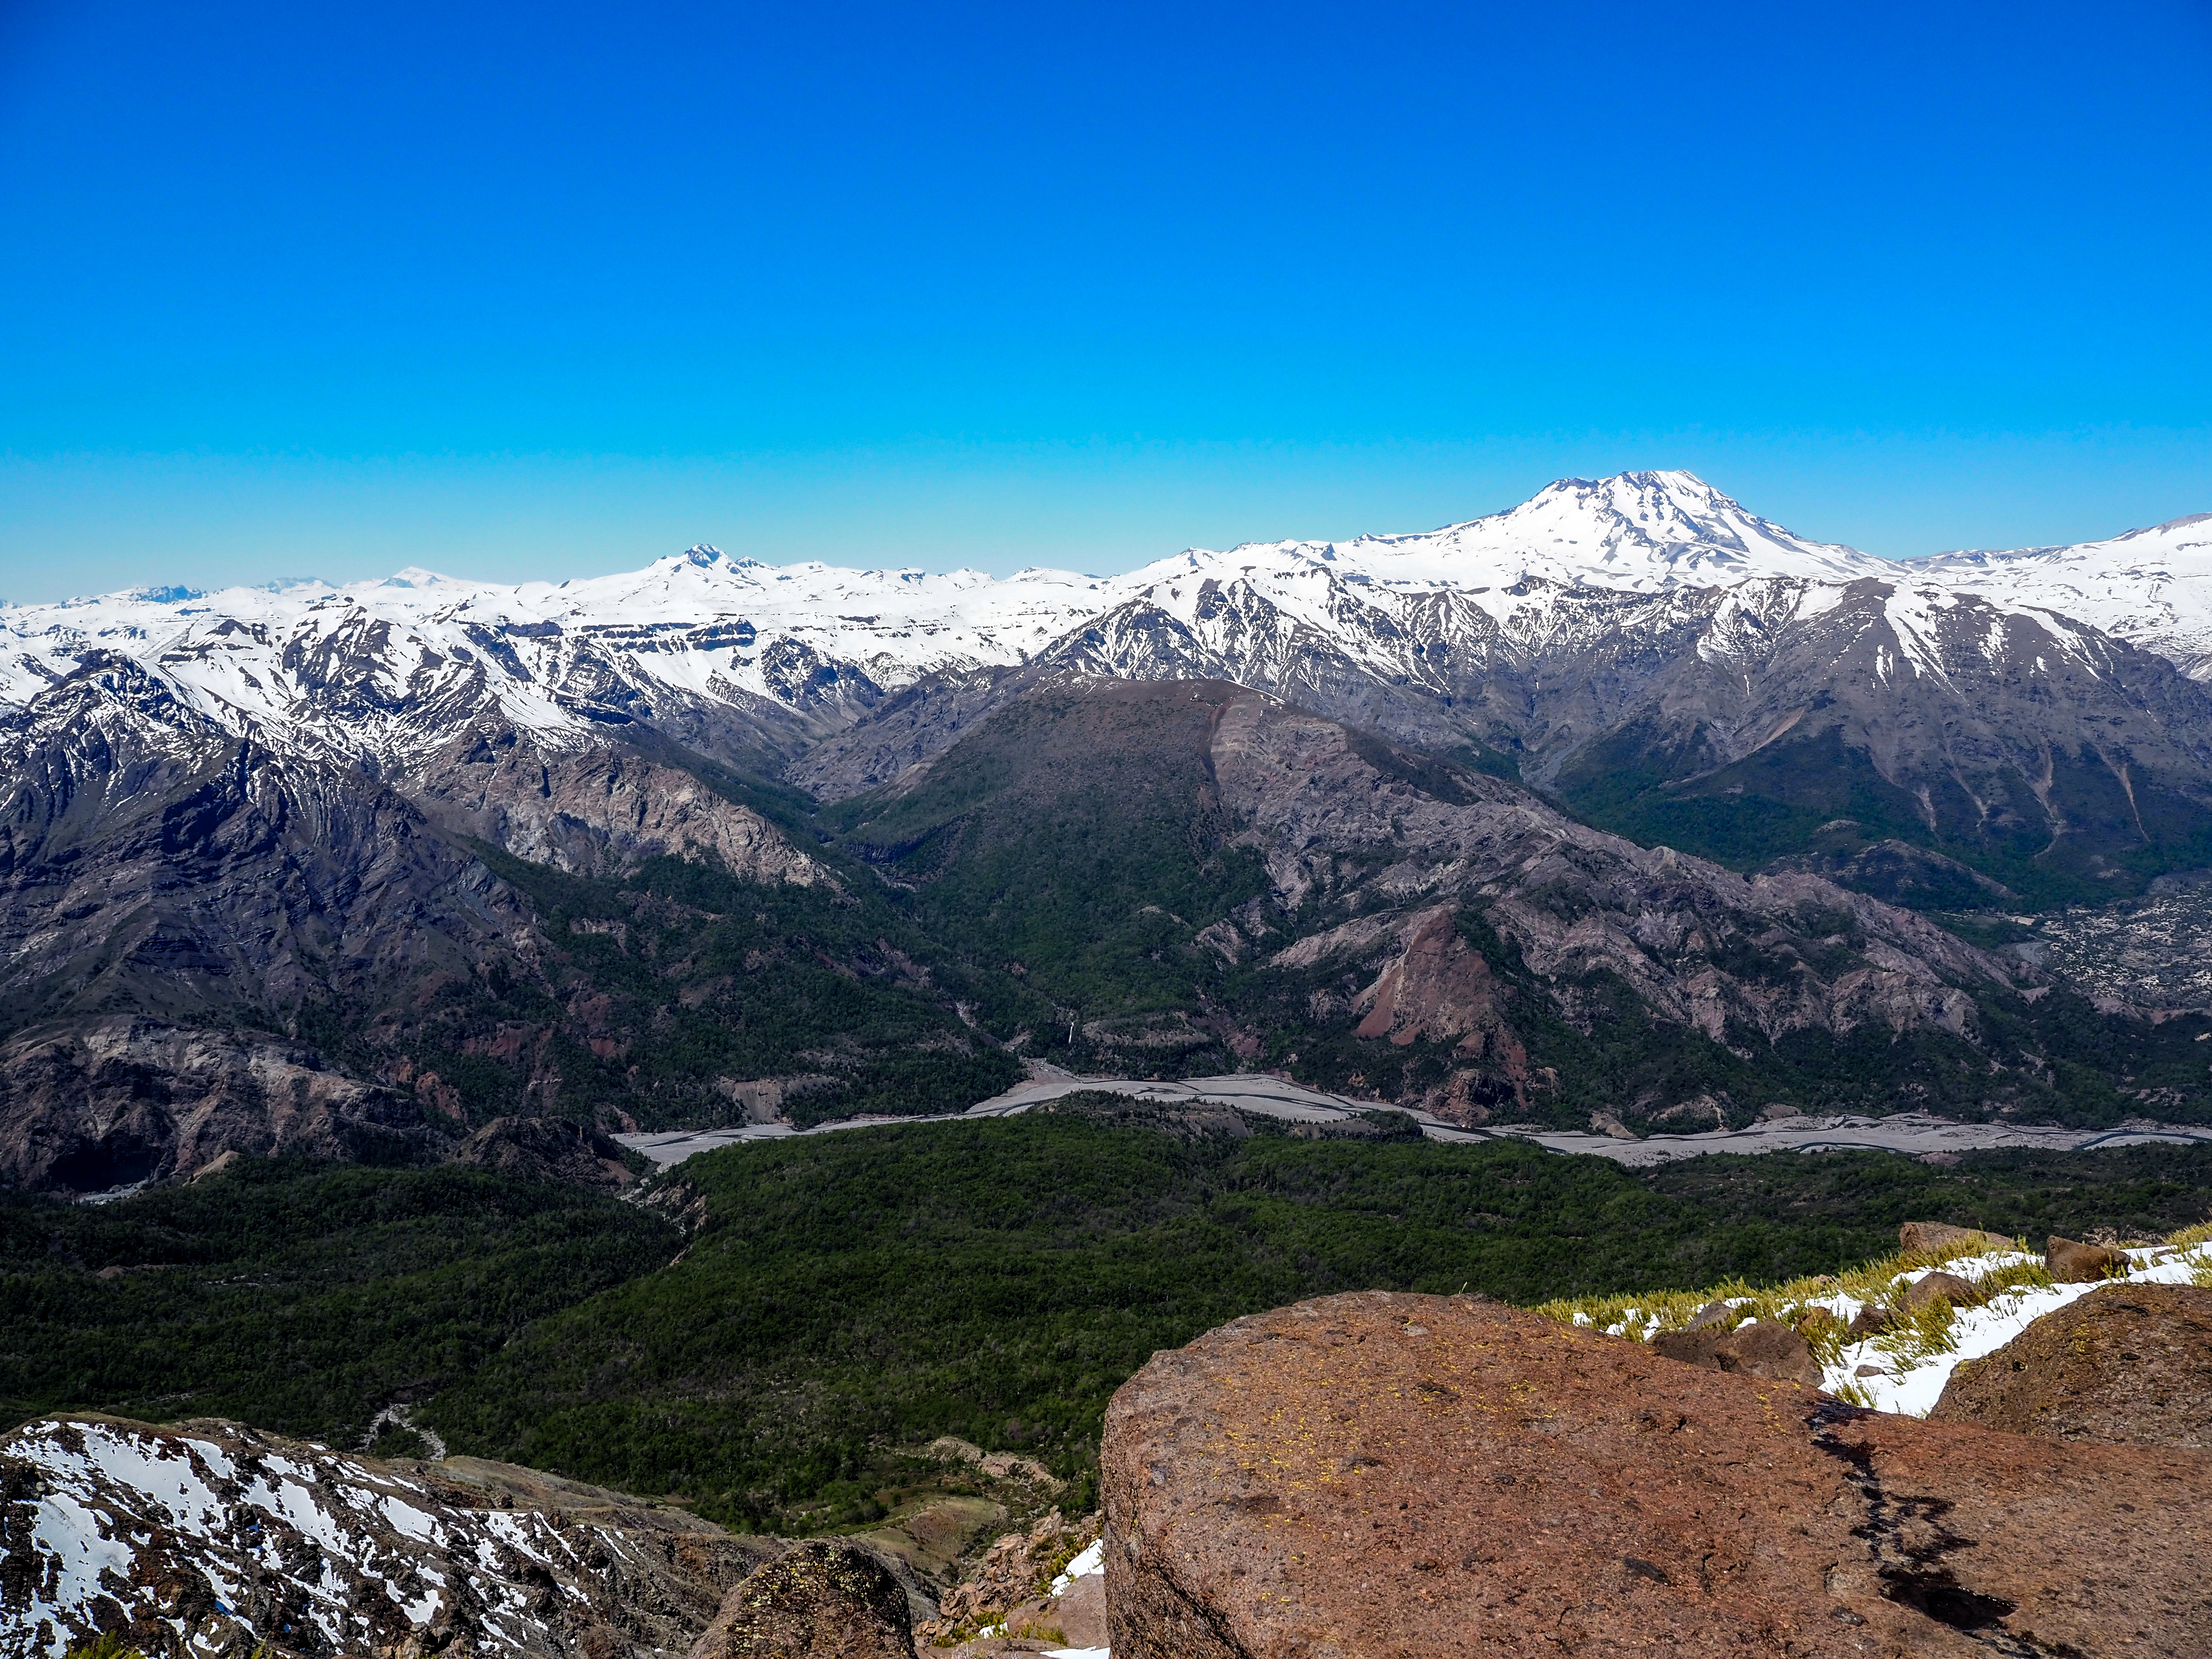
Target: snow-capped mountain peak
[(1641, 532)]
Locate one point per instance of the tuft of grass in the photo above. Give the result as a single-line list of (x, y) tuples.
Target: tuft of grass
[(1918, 1334)]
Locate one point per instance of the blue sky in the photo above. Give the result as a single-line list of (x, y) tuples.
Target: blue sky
[(539, 291)]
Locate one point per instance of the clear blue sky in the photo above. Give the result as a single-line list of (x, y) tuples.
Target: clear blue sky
[(542, 290)]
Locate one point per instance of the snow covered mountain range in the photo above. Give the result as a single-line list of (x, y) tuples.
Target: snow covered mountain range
[(375, 669), (355, 870)]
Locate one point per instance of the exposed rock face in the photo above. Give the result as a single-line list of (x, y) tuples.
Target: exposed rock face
[(1343, 821), (1416, 1475), (2126, 1363), (2072, 1262), (598, 809), (821, 1601), (547, 1149), (120, 1100), (209, 1537)]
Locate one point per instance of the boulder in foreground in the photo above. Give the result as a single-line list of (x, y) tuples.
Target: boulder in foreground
[(2129, 1363), (1418, 1476), (1764, 1347)]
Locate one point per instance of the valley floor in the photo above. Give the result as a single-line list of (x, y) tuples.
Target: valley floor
[(1916, 1134)]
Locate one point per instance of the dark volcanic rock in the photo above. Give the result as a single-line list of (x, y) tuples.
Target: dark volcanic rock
[(821, 1601), (2126, 1363), (1417, 1476)]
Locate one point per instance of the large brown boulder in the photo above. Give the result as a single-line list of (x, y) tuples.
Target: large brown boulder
[(1416, 1476), (820, 1600), (2127, 1362), (1761, 1348), (1926, 1237), (2072, 1262)]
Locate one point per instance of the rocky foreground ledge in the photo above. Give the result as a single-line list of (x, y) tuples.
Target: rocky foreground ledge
[(1405, 1475)]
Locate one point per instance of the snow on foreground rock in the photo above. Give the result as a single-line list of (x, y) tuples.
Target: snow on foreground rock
[(209, 1538), (1903, 1370)]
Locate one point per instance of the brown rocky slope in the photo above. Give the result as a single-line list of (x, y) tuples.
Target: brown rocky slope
[(1412, 1476)]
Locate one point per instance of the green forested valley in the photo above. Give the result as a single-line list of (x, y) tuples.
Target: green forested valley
[(817, 1304)]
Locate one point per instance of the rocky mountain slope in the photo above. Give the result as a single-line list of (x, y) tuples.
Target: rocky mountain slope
[(366, 868), (1199, 877), (209, 1536)]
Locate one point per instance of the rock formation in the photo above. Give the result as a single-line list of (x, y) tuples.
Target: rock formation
[(1928, 1237), (2072, 1262), (1415, 1475), (547, 1149), (820, 1600), (1011, 1590), (2125, 1363), (1761, 1348)]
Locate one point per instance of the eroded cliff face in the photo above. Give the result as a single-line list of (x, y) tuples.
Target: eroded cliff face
[(1345, 821), (121, 1099), (598, 810), (1416, 1475)]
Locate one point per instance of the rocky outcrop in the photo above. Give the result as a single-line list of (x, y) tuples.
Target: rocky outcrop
[(548, 1149), (1942, 1287), (2129, 1363), (120, 1100), (1418, 1475), (1011, 1588), (820, 1600), (207, 1537), (598, 809), (1930, 1237), (1761, 1348)]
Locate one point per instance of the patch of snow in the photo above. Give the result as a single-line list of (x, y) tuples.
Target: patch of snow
[(1088, 1564)]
